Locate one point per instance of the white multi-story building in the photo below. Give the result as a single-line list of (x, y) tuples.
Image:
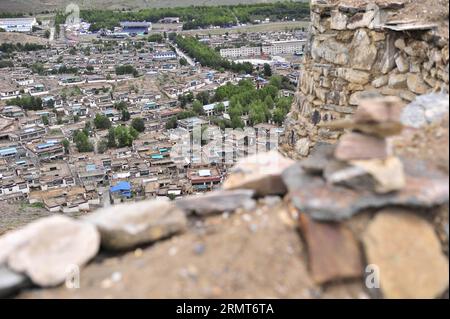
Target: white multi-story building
[(18, 24), (284, 47), (240, 52), (271, 48)]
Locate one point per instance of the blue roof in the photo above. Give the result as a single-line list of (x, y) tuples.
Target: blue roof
[(121, 186), (46, 145), (8, 151)]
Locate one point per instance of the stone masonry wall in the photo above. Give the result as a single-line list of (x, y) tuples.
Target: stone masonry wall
[(359, 49)]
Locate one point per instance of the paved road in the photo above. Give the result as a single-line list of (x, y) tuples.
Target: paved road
[(182, 54)]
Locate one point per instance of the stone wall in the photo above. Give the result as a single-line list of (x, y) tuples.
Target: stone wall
[(357, 49)]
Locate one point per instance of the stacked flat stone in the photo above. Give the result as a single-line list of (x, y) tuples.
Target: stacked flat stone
[(366, 150), (359, 172)]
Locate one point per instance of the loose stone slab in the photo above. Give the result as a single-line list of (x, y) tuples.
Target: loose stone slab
[(217, 202), (379, 110), (126, 226), (424, 187), (408, 254), (46, 250), (333, 252), (320, 156), (356, 146), (261, 173)]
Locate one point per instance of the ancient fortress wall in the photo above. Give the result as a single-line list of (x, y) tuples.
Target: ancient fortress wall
[(359, 49)]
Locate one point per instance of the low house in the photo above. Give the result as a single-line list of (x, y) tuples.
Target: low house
[(121, 190)]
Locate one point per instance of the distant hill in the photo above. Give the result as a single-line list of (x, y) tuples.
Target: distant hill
[(37, 6)]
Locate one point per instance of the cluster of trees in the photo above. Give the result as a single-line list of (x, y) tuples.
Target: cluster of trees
[(260, 105), (82, 142), (27, 102), (120, 136), (195, 17), (126, 69), (155, 38), (101, 122), (14, 47), (123, 108), (208, 56), (65, 70)]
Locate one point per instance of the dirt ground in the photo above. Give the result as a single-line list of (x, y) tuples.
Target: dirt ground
[(14, 37)]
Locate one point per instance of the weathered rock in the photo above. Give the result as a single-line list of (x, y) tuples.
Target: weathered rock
[(354, 146), (380, 81), (353, 76), (388, 173), (383, 129), (381, 110), (126, 226), (416, 49), (260, 172), (333, 252), (424, 187), (387, 62), (319, 158), (364, 52), (11, 282), (361, 20), (397, 81), (343, 174), (338, 20), (425, 109), (402, 63), (302, 146), (357, 97), (216, 202), (408, 255), (416, 84), (46, 249), (331, 51), (400, 43)]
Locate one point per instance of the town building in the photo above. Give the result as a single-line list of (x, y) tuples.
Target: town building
[(18, 24)]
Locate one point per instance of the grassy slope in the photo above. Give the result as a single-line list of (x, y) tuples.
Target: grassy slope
[(42, 5)]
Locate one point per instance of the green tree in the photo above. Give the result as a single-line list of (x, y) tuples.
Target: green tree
[(183, 62), (120, 106), (102, 122), (197, 107), (267, 70), (138, 124), (269, 102), (102, 146), (82, 142), (171, 123), (45, 119), (236, 122), (111, 138), (66, 144), (276, 81), (125, 116)]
